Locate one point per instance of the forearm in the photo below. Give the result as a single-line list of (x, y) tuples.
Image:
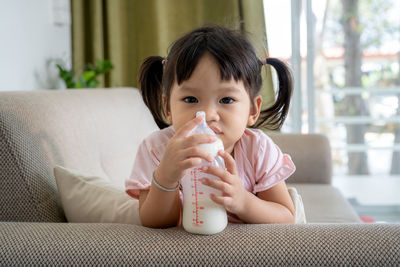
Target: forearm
[(160, 208), (257, 210)]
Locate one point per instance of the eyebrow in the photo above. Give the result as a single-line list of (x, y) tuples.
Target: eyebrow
[(224, 88)]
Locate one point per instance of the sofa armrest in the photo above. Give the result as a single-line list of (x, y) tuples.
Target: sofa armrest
[(238, 244), (311, 153)]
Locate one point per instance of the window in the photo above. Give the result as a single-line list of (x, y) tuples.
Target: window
[(345, 58)]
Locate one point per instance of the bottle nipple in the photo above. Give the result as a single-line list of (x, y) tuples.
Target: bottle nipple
[(211, 148)]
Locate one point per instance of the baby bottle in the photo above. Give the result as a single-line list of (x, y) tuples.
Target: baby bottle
[(200, 214)]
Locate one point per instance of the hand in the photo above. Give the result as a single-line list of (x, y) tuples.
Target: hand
[(182, 153), (233, 193)]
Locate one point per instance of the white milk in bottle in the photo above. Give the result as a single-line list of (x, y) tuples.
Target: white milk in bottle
[(200, 214)]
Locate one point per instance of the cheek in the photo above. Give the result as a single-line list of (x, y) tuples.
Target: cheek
[(178, 117), (236, 128), (168, 115)]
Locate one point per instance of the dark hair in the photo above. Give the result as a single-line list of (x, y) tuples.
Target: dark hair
[(235, 57)]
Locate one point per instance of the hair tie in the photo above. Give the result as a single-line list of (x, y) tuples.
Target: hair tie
[(264, 61), (164, 61)]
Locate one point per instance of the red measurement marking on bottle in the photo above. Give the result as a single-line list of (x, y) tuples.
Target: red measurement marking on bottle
[(195, 180)]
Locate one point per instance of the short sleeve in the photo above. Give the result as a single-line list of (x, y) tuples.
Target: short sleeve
[(271, 165), (145, 163)]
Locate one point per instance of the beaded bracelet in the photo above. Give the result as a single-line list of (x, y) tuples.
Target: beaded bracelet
[(162, 187)]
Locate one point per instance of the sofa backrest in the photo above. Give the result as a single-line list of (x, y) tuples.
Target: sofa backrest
[(94, 131), (311, 153)]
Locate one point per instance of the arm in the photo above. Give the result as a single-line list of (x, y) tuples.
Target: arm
[(270, 206), (159, 208)]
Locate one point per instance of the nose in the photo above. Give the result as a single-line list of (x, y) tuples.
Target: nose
[(212, 114)]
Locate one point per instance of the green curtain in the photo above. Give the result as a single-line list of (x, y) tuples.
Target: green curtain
[(128, 31)]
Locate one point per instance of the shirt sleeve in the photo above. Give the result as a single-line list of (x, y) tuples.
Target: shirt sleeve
[(141, 176), (271, 165)]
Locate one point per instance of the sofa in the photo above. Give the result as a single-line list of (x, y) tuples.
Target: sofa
[(97, 131)]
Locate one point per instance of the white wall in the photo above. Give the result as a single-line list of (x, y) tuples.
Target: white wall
[(31, 34)]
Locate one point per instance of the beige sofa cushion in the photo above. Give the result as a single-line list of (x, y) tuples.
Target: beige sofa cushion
[(92, 199)]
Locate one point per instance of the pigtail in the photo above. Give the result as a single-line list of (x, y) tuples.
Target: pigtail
[(274, 117), (150, 86)]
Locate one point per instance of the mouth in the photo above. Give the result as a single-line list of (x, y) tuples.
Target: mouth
[(215, 129)]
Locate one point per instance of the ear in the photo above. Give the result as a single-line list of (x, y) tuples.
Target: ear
[(255, 110), (167, 112)]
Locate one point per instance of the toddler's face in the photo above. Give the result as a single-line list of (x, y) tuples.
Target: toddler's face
[(226, 103)]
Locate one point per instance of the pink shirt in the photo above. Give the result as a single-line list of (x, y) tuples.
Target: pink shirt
[(259, 161)]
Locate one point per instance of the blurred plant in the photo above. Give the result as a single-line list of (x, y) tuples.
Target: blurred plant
[(88, 79)]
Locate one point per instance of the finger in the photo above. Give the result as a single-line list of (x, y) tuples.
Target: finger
[(190, 163), (219, 185), (219, 172), (197, 139), (188, 127), (197, 152), (230, 163), (221, 200)]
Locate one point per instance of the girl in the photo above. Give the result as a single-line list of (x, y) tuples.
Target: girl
[(215, 70)]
